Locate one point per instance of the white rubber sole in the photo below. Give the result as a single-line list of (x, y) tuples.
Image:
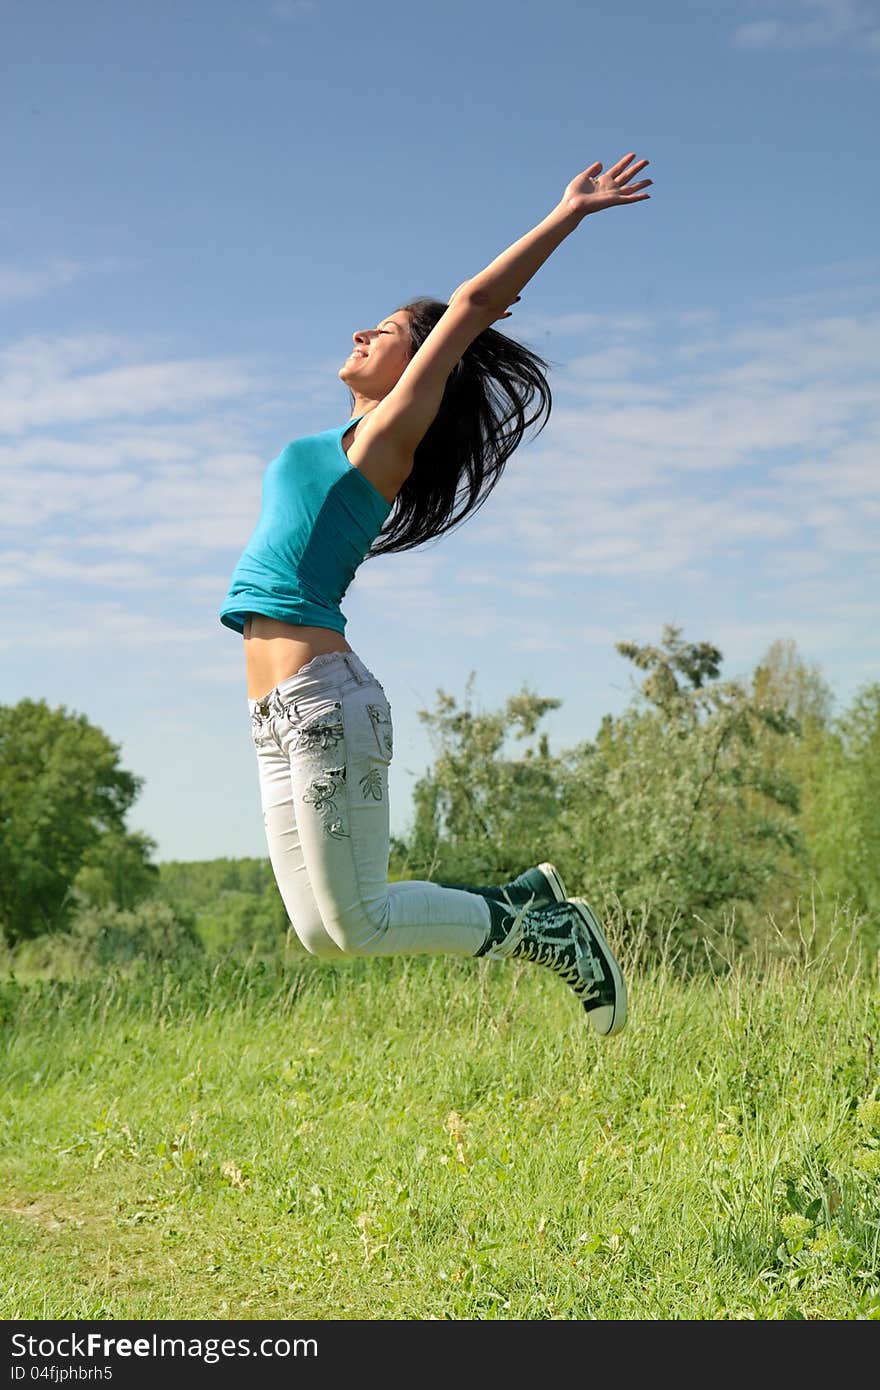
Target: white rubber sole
[(611, 1018), (553, 878)]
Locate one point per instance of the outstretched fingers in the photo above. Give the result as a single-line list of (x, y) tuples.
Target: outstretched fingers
[(621, 176), (629, 192), (626, 174), (617, 169), (595, 189)]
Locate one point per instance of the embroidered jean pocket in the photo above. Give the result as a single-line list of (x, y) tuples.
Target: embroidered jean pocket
[(379, 712), (319, 729)]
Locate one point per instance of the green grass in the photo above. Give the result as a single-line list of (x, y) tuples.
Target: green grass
[(440, 1139)]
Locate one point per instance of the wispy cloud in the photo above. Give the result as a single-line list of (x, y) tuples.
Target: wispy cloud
[(111, 465), (293, 9), (19, 282), (678, 453), (109, 623), (535, 326), (765, 436), (40, 385), (813, 24), (264, 25)]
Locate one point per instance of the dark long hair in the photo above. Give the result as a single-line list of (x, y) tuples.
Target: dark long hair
[(481, 421)]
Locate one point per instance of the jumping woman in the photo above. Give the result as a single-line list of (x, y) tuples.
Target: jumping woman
[(440, 400)]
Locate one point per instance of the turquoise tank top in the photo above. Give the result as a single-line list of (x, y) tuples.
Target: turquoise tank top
[(319, 517)]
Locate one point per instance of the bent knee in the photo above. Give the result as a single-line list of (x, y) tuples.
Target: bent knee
[(313, 935), (360, 930)]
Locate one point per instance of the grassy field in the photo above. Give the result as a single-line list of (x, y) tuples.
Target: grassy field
[(440, 1139)]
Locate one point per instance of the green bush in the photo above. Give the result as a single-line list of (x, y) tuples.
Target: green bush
[(244, 923), (150, 934)]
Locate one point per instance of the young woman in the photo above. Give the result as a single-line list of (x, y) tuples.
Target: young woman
[(441, 403)]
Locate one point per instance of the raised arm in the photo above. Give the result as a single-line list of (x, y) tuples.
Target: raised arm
[(401, 420), (500, 283)]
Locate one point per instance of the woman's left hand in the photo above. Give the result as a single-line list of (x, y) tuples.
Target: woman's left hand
[(593, 190)]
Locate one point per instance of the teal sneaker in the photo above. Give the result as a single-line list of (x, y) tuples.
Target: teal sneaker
[(538, 887), (567, 938)]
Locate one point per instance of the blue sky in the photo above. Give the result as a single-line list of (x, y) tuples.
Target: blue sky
[(202, 201)]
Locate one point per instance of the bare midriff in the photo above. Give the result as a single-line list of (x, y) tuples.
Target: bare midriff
[(274, 651)]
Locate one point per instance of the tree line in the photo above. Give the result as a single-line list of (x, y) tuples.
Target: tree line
[(706, 800)]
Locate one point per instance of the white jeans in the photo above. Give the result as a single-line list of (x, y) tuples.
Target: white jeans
[(324, 743)]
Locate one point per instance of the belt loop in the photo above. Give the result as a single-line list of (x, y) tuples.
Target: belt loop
[(352, 668)]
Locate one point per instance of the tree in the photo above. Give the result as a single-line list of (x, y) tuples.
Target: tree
[(672, 805), (478, 812), (845, 807), (678, 804), (784, 679), (835, 763), (62, 794), (116, 871)]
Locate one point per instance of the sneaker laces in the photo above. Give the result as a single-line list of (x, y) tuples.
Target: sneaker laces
[(582, 973), (517, 929)]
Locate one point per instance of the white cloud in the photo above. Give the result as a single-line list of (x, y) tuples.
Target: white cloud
[(44, 563), (293, 9), (36, 392), (106, 624), (680, 451), (19, 282), (814, 24), (535, 326), (761, 440)]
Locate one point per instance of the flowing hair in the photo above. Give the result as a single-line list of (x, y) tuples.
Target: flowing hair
[(481, 421)]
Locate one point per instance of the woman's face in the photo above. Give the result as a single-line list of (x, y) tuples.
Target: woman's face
[(377, 361)]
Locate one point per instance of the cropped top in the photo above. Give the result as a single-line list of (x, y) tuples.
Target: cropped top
[(319, 517)]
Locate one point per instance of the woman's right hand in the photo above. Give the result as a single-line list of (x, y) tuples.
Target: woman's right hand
[(592, 190)]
